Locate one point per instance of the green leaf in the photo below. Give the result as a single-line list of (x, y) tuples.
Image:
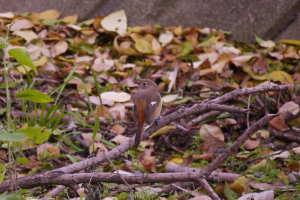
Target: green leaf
[(2, 45), (3, 110), (2, 172), (229, 193), (10, 197), (72, 158), (88, 48), (35, 96), (258, 40), (22, 56), (12, 137), (23, 161), (187, 48), (206, 43), (40, 133), (108, 143), (10, 84)]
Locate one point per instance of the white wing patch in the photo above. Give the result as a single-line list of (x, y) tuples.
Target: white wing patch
[(152, 103)]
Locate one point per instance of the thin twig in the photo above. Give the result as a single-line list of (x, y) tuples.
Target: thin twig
[(131, 192), (248, 111)]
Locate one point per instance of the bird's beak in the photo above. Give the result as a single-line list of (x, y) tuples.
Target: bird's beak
[(136, 82)]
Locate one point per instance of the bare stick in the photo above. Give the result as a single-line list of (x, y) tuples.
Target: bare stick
[(203, 117), (131, 193), (248, 111), (54, 192), (236, 145)]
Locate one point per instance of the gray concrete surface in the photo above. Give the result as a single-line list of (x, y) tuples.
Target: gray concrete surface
[(269, 19)]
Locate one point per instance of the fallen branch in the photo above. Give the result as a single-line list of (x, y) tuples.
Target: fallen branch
[(29, 181), (74, 179)]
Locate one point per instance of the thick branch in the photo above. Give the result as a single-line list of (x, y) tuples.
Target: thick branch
[(183, 112), (236, 145)]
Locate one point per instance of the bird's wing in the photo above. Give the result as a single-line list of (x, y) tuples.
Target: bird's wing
[(153, 108), (135, 114)]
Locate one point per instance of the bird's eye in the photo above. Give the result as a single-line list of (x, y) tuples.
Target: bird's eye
[(144, 84)]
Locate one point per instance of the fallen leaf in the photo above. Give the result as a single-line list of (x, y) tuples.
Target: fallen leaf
[(49, 14), (284, 155), (116, 22), (290, 107), (116, 96), (164, 130), (42, 147), (251, 144), (263, 133), (176, 161), (53, 150), (267, 195), (88, 137), (59, 48), (148, 163), (165, 38), (207, 156), (281, 76), (278, 124), (169, 98), (268, 44), (117, 129), (98, 144), (88, 87), (27, 35), (7, 15), (260, 66), (118, 112), (212, 133), (120, 139), (143, 46), (70, 19), (21, 24), (125, 48)]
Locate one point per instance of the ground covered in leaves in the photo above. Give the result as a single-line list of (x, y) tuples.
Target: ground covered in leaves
[(58, 120)]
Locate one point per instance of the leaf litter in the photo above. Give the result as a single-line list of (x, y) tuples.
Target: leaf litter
[(190, 65)]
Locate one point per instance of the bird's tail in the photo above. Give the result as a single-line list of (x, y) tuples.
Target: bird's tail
[(139, 134)]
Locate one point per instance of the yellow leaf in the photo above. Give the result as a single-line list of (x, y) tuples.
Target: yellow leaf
[(176, 161), (281, 76), (292, 42), (143, 46), (264, 134), (178, 31), (22, 70), (54, 150), (257, 76), (164, 130), (285, 179), (49, 14), (27, 35), (88, 87), (40, 62), (126, 51), (70, 19)]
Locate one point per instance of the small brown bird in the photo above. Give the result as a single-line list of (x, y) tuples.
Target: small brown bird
[(147, 106)]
